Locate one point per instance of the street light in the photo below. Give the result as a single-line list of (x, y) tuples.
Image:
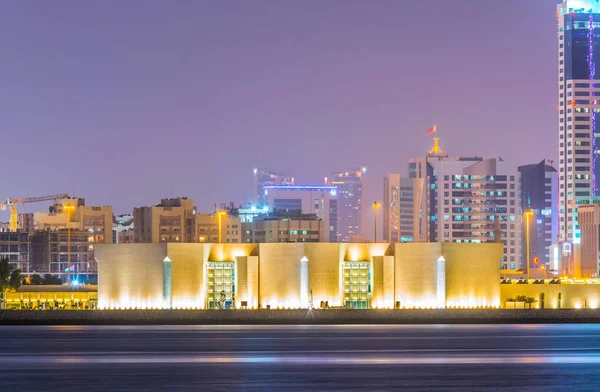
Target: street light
[(528, 214), (376, 205), (69, 208), (219, 214)]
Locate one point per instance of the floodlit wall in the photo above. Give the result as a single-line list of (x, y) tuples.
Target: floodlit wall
[(416, 274), (279, 276), (571, 295), (472, 274), (275, 275), (187, 275), (130, 275), (324, 272)]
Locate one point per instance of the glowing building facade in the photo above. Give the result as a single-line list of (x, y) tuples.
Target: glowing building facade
[(589, 221), (578, 106), (298, 275)]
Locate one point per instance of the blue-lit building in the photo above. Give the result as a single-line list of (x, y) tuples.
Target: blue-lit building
[(539, 193), (321, 200), (578, 105), (264, 177)]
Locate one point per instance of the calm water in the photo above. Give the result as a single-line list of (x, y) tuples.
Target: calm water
[(298, 358)]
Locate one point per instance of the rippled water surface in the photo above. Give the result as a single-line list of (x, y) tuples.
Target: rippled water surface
[(301, 358)]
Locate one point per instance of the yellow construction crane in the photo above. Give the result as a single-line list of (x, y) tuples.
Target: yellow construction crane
[(12, 204)]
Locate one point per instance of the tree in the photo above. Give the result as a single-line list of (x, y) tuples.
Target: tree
[(527, 300), (9, 279), (530, 301)]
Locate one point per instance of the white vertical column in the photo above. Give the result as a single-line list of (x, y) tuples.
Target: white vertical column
[(304, 283), (167, 283), (441, 283)]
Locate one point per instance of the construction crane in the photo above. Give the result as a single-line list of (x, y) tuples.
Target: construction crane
[(12, 204)]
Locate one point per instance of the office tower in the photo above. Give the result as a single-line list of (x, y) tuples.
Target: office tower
[(421, 168), (471, 198), (264, 177), (321, 200), (539, 193), (349, 189), (589, 220), (578, 105), (400, 207)]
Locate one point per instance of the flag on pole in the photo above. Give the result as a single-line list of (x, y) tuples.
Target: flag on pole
[(431, 130)]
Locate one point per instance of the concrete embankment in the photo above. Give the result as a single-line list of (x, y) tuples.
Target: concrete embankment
[(280, 317)]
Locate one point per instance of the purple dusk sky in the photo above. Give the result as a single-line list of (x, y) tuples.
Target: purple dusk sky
[(124, 100)]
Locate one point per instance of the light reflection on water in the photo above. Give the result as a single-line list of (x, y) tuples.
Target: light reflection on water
[(314, 360), (298, 358)]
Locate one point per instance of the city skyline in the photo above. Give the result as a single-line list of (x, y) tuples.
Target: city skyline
[(137, 135)]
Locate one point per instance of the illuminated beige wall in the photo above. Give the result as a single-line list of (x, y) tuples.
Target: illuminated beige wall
[(382, 273), (324, 273), (270, 274), (130, 275), (572, 295), (472, 274), (416, 274), (187, 275), (247, 281), (279, 277)]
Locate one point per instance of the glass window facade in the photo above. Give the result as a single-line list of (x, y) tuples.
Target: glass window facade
[(220, 284), (357, 284)]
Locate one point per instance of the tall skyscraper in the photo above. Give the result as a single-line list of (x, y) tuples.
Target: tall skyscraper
[(263, 177), (349, 191), (539, 186), (468, 200), (578, 104)]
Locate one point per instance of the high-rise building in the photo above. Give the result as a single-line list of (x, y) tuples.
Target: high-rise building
[(321, 200), (539, 193), (349, 190), (475, 202), (263, 177), (400, 207), (468, 200), (589, 220), (578, 105), (422, 168)]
